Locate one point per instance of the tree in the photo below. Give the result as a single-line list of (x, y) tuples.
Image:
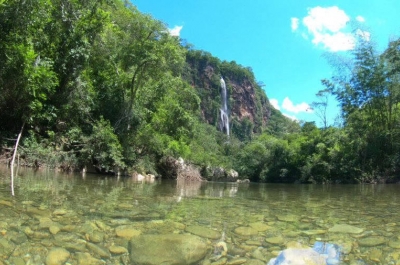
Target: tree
[(368, 95), (320, 107)]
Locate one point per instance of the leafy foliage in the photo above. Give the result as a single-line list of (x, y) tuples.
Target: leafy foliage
[(98, 82)]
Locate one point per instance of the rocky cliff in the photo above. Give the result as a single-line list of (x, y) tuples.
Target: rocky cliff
[(248, 104)]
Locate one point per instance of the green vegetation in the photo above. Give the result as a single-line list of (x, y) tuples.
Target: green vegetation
[(99, 83)]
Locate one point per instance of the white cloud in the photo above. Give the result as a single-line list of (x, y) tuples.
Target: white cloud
[(294, 23), (360, 19), (321, 19), (175, 31), (326, 27), (289, 106), (274, 103), (339, 41)]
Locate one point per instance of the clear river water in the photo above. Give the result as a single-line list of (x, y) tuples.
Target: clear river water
[(57, 218)]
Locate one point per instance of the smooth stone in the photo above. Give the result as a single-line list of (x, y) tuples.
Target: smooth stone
[(287, 218), (221, 261), (19, 238), (45, 222), (87, 259), (313, 232), (235, 251), (57, 256), (54, 229), (294, 244), (246, 231), (248, 248), (346, 247), (276, 240), (37, 212), (96, 237), (203, 232), (253, 242), (236, 261), (125, 206), (259, 254), (39, 235), (259, 226), (66, 237), (6, 203), (375, 255), (72, 246), (167, 249), (372, 241), (102, 252), (60, 212), (292, 233), (69, 228), (17, 261), (117, 250), (6, 247), (102, 226), (127, 232), (394, 244), (345, 229), (254, 262), (177, 225)]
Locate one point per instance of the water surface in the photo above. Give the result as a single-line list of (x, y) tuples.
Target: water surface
[(87, 216)]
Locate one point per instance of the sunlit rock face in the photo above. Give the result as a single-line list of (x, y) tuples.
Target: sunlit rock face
[(243, 100)]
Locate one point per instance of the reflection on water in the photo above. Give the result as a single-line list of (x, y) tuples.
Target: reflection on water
[(94, 217)]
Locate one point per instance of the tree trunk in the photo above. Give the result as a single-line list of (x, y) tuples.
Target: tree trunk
[(13, 159)]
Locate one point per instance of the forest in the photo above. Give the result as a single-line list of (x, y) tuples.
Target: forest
[(97, 82)]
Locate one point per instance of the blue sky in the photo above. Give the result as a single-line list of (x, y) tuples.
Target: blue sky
[(284, 42)]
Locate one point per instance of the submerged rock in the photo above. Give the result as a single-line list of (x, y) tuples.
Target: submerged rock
[(87, 259), (287, 218), (314, 232), (203, 232), (173, 249), (117, 250), (345, 229), (127, 232), (57, 256), (372, 241), (102, 252), (246, 231), (394, 244), (260, 226), (276, 240), (6, 247)]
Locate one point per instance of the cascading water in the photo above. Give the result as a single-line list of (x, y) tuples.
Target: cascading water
[(224, 122)]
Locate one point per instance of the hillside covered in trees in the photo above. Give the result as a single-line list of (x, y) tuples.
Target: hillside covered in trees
[(99, 83)]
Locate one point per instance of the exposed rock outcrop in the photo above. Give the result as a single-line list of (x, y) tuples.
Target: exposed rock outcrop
[(170, 167), (220, 174), (248, 104)]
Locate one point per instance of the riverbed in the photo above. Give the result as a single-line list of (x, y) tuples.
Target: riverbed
[(57, 218)]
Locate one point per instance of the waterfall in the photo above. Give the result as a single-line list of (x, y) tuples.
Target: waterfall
[(224, 122)]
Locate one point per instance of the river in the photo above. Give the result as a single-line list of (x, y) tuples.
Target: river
[(57, 218)]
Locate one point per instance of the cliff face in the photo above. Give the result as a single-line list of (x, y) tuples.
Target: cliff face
[(248, 105), (245, 102)]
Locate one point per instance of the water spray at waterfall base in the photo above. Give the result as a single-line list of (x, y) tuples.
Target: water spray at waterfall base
[(224, 118)]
